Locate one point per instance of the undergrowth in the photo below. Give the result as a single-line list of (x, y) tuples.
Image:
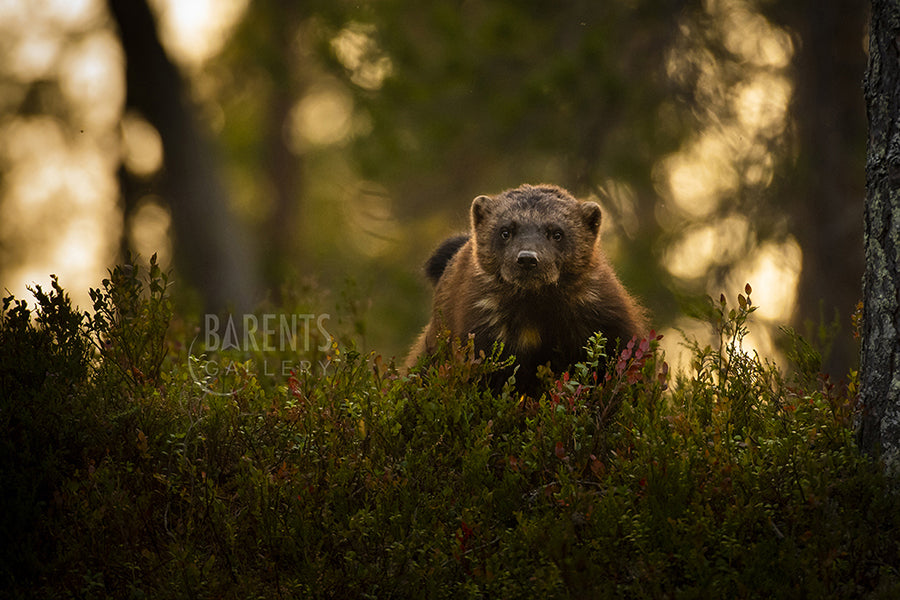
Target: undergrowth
[(123, 476)]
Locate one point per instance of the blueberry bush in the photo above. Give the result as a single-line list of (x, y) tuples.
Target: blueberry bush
[(123, 476)]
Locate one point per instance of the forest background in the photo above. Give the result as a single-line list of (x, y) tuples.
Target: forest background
[(264, 147)]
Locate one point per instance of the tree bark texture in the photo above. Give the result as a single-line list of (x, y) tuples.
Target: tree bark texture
[(210, 245), (880, 359)]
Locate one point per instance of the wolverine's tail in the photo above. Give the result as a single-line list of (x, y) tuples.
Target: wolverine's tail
[(435, 266)]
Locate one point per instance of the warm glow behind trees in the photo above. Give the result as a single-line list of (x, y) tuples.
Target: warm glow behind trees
[(352, 139)]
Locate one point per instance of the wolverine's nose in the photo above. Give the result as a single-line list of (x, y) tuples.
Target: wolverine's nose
[(527, 259)]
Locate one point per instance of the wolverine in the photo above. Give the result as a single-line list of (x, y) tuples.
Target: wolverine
[(531, 274)]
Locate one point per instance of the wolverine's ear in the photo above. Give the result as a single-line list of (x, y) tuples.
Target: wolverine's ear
[(591, 213), (480, 210)]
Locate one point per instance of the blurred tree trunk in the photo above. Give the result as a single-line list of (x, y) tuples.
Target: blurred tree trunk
[(281, 23), (826, 186), (880, 370), (284, 173), (211, 247)]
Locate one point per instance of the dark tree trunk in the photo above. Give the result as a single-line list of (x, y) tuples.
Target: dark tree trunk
[(210, 245), (880, 368), (283, 167)]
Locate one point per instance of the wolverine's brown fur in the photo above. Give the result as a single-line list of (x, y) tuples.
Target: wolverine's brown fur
[(531, 275)]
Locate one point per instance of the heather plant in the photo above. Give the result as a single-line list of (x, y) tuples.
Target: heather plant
[(129, 321), (44, 365), (126, 477)]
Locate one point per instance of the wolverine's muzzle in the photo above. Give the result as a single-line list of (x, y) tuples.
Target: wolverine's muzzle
[(527, 259)]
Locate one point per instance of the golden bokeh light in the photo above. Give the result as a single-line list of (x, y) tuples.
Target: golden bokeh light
[(34, 55), (761, 103), (91, 75), (705, 245), (749, 35), (323, 116), (741, 121), (142, 150), (774, 270), (60, 211), (702, 174), (194, 31), (357, 50)]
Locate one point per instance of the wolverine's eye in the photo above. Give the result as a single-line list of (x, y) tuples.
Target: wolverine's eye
[(505, 234)]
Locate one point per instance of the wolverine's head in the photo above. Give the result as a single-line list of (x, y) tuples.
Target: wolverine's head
[(534, 236)]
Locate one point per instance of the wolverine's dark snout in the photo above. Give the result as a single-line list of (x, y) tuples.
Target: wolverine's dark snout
[(527, 259)]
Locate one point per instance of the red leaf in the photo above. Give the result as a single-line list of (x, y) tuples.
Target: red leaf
[(560, 451)]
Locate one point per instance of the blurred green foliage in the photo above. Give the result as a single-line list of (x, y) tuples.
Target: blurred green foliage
[(426, 105), (348, 138), (445, 102), (123, 477)]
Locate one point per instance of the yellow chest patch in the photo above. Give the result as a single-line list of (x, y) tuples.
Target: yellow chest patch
[(529, 338)]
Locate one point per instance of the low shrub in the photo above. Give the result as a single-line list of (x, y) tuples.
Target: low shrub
[(122, 477)]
